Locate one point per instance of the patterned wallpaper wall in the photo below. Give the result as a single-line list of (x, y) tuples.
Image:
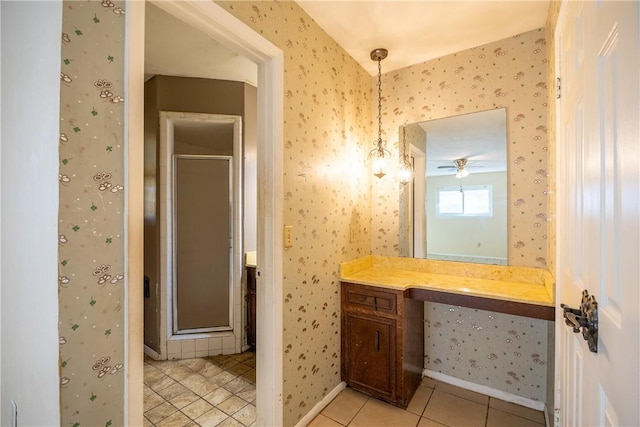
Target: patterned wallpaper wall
[(500, 351), (509, 73), (497, 350), (327, 123), (91, 223)]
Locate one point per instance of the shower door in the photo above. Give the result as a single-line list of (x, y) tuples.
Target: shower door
[(203, 236)]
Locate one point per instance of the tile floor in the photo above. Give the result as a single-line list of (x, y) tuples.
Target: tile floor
[(220, 391), (435, 404), (209, 391)]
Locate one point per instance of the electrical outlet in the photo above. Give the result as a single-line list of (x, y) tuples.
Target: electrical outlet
[(288, 236)]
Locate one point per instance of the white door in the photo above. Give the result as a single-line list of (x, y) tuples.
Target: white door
[(598, 207)]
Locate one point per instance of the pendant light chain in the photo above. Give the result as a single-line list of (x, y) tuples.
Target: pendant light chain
[(380, 102)]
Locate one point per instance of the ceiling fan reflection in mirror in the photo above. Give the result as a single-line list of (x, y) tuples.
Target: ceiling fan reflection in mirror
[(461, 167)]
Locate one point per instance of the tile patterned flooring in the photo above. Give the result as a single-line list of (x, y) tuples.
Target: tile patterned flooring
[(210, 391), (435, 404), (220, 391)]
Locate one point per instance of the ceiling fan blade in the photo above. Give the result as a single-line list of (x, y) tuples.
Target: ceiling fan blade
[(447, 167)]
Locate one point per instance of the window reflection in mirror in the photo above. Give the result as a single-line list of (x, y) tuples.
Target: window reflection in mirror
[(456, 207)]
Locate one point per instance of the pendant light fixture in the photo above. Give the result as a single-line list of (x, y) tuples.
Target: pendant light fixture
[(379, 154), (405, 171)]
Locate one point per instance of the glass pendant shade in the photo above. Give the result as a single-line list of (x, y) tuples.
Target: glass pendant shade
[(405, 172), (462, 173), (379, 157)]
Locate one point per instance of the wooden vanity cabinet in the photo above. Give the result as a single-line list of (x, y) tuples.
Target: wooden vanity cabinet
[(251, 307), (382, 342)]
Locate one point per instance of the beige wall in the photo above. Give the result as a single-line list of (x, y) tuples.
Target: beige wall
[(327, 129), (91, 217), (509, 73)]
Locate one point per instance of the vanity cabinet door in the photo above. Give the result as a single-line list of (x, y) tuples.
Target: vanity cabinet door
[(370, 346)]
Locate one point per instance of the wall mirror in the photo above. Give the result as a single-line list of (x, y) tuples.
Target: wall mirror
[(456, 207)]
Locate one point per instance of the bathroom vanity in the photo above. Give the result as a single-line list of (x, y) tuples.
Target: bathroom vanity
[(383, 313)]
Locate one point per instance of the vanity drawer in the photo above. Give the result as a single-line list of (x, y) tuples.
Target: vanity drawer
[(370, 299)]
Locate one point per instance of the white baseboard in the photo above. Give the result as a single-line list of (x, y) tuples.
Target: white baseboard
[(321, 405), (492, 392), (151, 352)]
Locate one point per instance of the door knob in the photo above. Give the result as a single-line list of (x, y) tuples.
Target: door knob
[(585, 318)]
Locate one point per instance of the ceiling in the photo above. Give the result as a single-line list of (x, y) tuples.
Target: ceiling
[(413, 32), (419, 30)]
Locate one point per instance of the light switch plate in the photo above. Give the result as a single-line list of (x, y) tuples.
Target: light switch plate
[(288, 236)]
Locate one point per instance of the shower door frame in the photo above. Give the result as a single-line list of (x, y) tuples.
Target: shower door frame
[(165, 161)]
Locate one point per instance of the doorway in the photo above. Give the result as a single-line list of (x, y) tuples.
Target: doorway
[(214, 21)]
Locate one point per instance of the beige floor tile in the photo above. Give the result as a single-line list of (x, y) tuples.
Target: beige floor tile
[(247, 355), (322, 421), (425, 422), (375, 413), (165, 382), (152, 374), (419, 400), (184, 399), (211, 418), (179, 372), (246, 415), (461, 392), (146, 422), (222, 378), (230, 422), (228, 363), (193, 379), (250, 376), (237, 384), (502, 419), (195, 364), (239, 369), (429, 382), (172, 391), (176, 420), (165, 365), (521, 411), (210, 371), (345, 406), (453, 410), (248, 393), (152, 400), (232, 405), (204, 388), (197, 408), (160, 412), (217, 396)]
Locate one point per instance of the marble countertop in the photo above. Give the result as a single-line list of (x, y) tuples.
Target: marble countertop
[(507, 283)]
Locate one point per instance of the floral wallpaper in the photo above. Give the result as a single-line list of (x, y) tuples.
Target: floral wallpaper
[(91, 222), (509, 73), (501, 351), (327, 134)]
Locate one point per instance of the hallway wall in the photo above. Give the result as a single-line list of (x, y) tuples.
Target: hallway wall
[(91, 217), (327, 136)]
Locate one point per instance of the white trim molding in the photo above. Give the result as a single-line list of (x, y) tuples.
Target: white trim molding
[(318, 407)]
